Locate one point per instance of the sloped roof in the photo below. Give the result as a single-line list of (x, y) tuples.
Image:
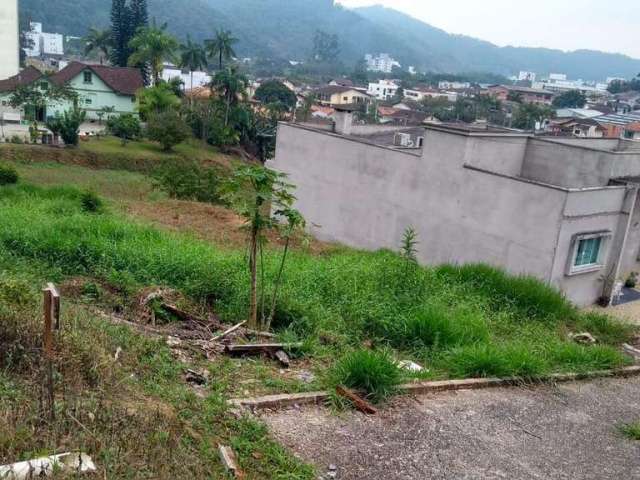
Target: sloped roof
[(24, 78), (333, 89), (124, 80), (619, 119)]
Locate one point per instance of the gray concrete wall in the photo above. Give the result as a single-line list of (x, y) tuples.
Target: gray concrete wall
[(498, 154), (365, 196), (574, 165), (585, 212)]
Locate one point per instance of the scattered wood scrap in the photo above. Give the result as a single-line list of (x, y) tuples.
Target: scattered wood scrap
[(228, 459), (228, 331), (181, 314), (634, 352), (260, 348), (357, 401)]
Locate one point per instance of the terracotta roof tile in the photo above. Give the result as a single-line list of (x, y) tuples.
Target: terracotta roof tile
[(25, 77), (124, 80)]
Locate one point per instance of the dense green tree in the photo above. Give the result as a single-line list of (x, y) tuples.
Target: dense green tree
[(231, 87), (570, 99), (126, 127), (273, 91), (120, 33), (360, 75), (70, 122), (514, 97), (530, 114), (221, 47), (152, 46), (100, 41), (156, 99), (139, 15), (192, 56), (167, 128)]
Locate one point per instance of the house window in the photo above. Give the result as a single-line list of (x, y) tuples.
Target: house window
[(88, 77), (345, 99), (88, 101), (588, 252)]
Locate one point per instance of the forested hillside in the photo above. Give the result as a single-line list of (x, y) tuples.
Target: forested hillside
[(285, 29)]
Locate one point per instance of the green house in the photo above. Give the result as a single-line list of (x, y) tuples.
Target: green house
[(99, 88)]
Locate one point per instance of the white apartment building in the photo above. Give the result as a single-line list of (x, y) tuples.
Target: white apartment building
[(420, 94), (383, 89), (200, 79), (448, 85), (43, 43), (381, 63), (525, 76), (9, 43)]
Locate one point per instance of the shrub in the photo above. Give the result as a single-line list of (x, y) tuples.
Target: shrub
[(632, 280), (16, 140), (527, 296), (168, 128), (70, 122), (126, 127), (189, 181), (8, 175), (373, 372), (91, 203)]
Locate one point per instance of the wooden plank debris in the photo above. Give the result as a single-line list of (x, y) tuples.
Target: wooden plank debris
[(182, 315), (357, 401), (228, 459), (258, 348), (228, 331)]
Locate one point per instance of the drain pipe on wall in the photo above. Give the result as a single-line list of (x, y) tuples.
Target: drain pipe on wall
[(618, 266)]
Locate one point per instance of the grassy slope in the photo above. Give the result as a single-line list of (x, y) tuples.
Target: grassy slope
[(462, 321), (134, 415)]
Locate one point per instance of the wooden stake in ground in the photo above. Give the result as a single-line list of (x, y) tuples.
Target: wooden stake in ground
[(51, 320), (357, 401)]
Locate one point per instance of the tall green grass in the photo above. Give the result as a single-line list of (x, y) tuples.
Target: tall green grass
[(473, 320)]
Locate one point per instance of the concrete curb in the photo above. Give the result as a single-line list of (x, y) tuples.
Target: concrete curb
[(275, 402)]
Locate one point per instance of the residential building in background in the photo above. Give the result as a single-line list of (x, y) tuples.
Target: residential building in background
[(189, 80), (420, 93), (338, 95), (9, 39), (381, 63), (525, 76), (449, 85), (564, 210), (43, 43), (98, 87), (383, 89), (527, 95)]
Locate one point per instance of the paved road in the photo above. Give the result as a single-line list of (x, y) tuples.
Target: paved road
[(563, 432)]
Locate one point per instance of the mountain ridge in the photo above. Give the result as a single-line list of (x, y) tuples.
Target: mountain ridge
[(285, 28)]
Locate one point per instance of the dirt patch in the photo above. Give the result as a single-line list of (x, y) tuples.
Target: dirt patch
[(213, 223), (565, 432)]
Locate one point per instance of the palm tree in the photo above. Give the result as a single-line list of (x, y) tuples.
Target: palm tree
[(192, 57), (152, 46), (99, 40), (231, 86), (221, 46)]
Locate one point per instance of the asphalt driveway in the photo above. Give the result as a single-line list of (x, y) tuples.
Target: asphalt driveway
[(547, 432)]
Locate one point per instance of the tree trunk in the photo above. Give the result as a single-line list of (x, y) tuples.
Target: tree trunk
[(253, 266), (272, 313)]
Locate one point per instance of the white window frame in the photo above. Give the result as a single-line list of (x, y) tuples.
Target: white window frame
[(572, 269)]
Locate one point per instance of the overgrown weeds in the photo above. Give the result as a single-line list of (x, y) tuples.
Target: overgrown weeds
[(373, 372), (630, 430)]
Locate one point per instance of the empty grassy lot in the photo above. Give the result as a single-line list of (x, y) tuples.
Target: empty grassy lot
[(129, 412)]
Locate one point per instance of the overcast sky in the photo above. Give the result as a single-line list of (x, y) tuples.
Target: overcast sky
[(611, 26)]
